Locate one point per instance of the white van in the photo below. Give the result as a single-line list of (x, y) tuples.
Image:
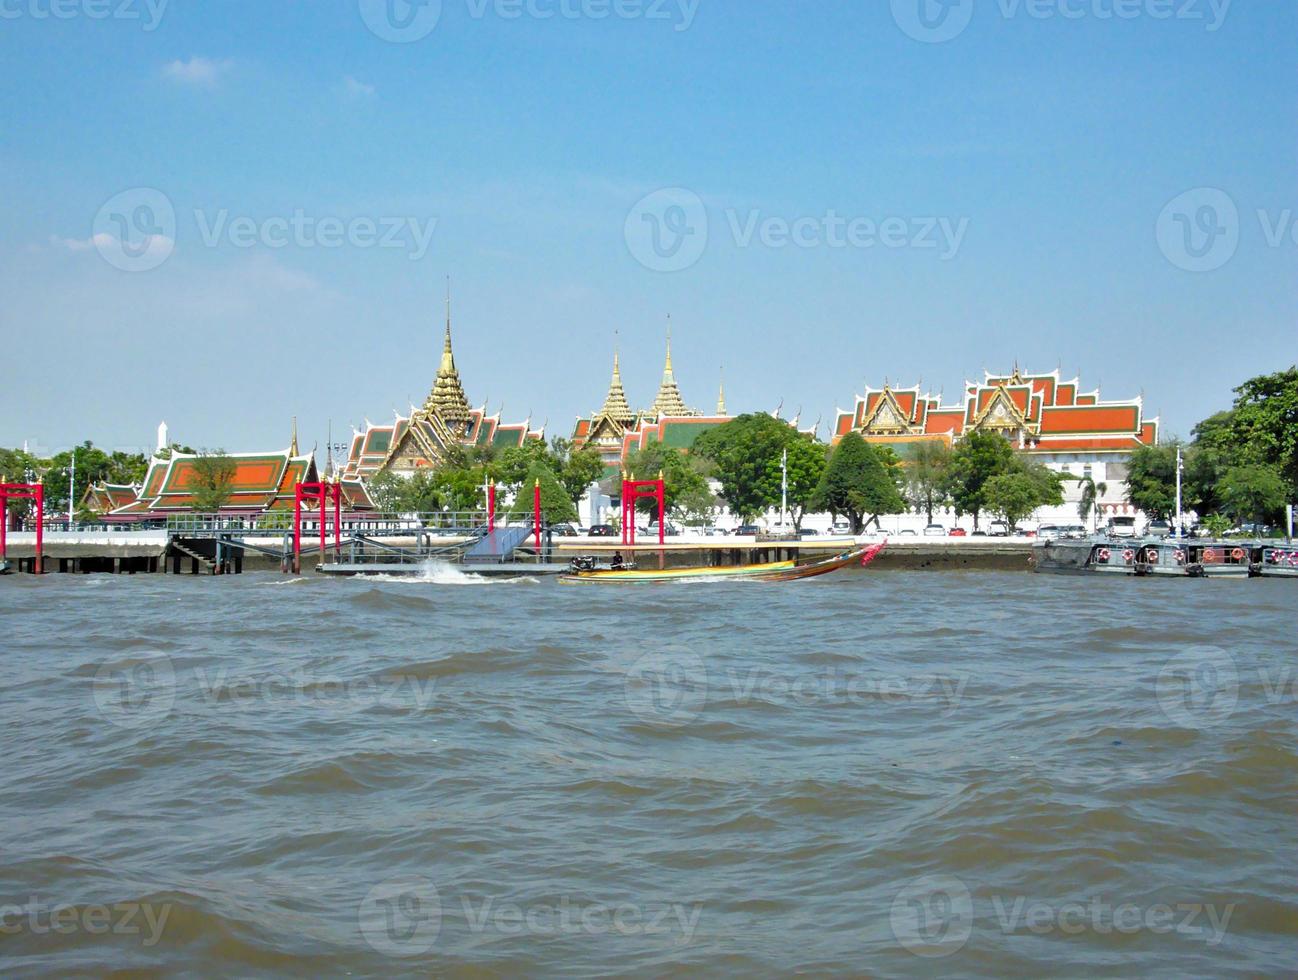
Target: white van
[(1121, 527)]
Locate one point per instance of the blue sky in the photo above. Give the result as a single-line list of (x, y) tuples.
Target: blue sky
[(1056, 138)]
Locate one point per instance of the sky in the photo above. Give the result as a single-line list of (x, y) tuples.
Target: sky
[(226, 214)]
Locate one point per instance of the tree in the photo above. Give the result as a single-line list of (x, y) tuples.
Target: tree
[(927, 486), (1151, 480), (978, 457), (213, 481), (858, 482), (556, 507), (512, 466), (1264, 422), (1091, 494), (806, 465), (1021, 489), (388, 491), (580, 468), (1253, 492), (746, 453)]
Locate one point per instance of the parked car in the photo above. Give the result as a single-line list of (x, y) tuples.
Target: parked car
[(958, 532), (808, 532), (935, 531), (977, 534), (670, 530), (1158, 529), (1121, 527), (1075, 531), (998, 529), (563, 531), (908, 532), (1050, 532), (840, 528), (603, 531), (747, 530)]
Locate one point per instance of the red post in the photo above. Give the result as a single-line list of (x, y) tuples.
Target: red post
[(536, 513), (338, 506), (39, 566), (4, 519), (491, 507), (322, 487), (297, 529), (660, 489)]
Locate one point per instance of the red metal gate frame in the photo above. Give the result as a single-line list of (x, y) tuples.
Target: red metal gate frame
[(322, 492), (632, 492), (23, 491)]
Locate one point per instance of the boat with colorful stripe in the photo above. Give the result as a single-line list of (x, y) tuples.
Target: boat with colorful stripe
[(774, 571)]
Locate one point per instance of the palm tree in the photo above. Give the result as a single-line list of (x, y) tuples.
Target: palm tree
[(1091, 494)]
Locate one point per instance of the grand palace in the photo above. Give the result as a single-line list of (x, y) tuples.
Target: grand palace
[(1044, 416)]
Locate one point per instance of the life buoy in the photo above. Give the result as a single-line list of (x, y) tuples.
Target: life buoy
[(1151, 556), (1179, 555), (1210, 555), (1238, 554), (1104, 554), (1293, 558), (1128, 556)]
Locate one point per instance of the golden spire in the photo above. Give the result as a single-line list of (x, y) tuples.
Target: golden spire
[(669, 400), (447, 399), (292, 449), (615, 403), (721, 395)]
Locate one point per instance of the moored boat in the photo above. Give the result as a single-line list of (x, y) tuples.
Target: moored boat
[(1165, 556), (1221, 559), (1277, 562), (775, 571)]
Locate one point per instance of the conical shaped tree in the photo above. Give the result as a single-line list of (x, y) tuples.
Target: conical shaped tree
[(857, 482), (556, 505)]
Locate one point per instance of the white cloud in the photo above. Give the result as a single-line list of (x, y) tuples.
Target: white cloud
[(196, 71), (102, 240), (355, 89)]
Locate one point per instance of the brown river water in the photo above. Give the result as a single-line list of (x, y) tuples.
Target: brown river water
[(876, 773)]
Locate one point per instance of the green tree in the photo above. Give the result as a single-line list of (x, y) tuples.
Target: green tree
[(746, 454), (1021, 489), (1151, 480), (213, 481), (806, 467), (858, 483), (512, 466), (579, 468), (1091, 494), (927, 477), (93, 465), (977, 458), (556, 507), (1264, 422), (1253, 492), (388, 491)]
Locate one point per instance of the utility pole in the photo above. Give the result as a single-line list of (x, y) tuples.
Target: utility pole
[(72, 485), (784, 488), (1179, 519)]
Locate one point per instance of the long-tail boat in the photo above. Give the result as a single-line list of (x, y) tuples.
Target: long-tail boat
[(773, 571)]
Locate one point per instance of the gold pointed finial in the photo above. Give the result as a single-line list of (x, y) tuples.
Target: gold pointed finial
[(669, 343), (292, 449), (721, 394)]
